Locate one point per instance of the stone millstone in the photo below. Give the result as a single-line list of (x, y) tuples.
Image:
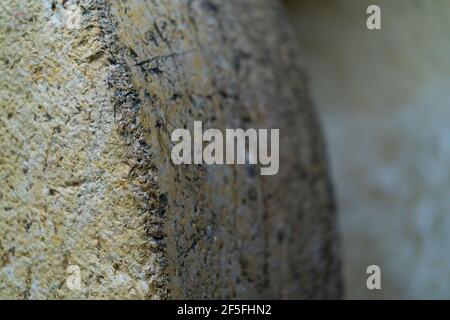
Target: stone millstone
[(90, 92)]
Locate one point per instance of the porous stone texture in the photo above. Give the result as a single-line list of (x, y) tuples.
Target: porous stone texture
[(90, 93)]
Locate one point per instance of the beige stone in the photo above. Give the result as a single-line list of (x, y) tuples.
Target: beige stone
[(90, 92)]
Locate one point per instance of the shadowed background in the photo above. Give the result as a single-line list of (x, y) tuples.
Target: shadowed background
[(383, 100)]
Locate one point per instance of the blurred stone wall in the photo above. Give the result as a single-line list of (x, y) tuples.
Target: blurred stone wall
[(384, 100)]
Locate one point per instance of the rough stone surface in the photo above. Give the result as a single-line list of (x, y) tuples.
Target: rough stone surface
[(90, 93)]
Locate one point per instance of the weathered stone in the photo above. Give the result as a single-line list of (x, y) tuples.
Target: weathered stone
[(90, 93)]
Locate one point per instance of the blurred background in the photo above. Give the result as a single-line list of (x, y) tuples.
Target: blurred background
[(383, 97)]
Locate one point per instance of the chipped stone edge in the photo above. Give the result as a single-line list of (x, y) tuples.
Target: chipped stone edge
[(143, 175)]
